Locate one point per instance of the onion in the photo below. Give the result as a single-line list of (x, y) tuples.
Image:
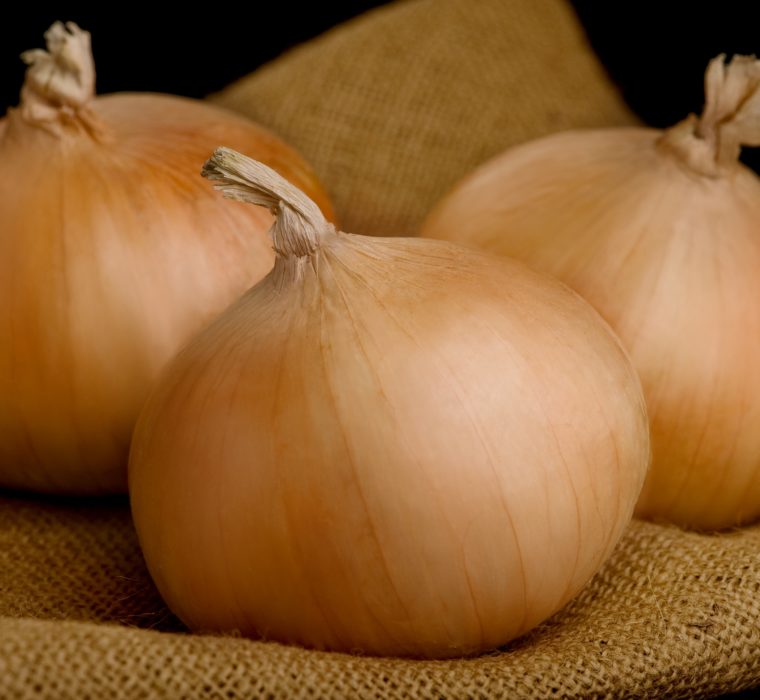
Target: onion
[(389, 445), (661, 232), (111, 256)]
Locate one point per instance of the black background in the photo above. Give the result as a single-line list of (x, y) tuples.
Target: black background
[(190, 52), (655, 51)]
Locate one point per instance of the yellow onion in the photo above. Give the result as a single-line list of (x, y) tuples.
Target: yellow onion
[(660, 230), (388, 445), (111, 256)]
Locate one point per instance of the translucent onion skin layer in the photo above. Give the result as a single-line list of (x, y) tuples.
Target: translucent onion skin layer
[(112, 253), (393, 447), (671, 258)]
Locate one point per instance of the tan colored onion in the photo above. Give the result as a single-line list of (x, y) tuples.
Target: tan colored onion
[(661, 232), (111, 255), (388, 445)]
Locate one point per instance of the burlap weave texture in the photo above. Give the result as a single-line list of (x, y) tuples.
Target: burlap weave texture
[(673, 614)]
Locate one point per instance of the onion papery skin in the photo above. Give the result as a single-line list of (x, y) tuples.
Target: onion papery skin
[(393, 447), (670, 257), (112, 254)]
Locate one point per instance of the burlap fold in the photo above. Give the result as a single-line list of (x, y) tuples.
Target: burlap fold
[(673, 614), (392, 108)]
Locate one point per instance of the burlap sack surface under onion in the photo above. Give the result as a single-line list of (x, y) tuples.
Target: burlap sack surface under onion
[(672, 614)]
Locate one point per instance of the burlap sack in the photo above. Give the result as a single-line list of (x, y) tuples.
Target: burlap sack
[(673, 614), (393, 108)]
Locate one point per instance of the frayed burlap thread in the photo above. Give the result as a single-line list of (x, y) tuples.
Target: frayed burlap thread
[(391, 109), (672, 614)]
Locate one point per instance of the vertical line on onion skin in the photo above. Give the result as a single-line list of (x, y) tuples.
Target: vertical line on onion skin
[(410, 336), (699, 467), (613, 534), (66, 345), (192, 382), (461, 396), (538, 403), (571, 483), (751, 487), (227, 556), (300, 559), (327, 269)]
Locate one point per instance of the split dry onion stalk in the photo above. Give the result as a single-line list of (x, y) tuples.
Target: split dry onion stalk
[(389, 445), (111, 255), (661, 232)]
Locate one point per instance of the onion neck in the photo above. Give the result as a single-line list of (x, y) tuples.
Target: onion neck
[(60, 81), (299, 229), (711, 144)]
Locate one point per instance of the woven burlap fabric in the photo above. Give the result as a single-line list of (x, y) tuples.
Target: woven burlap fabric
[(672, 614), (393, 108)]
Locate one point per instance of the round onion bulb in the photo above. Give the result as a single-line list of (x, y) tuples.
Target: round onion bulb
[(660, 230), (111, 255), (388, 445)]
